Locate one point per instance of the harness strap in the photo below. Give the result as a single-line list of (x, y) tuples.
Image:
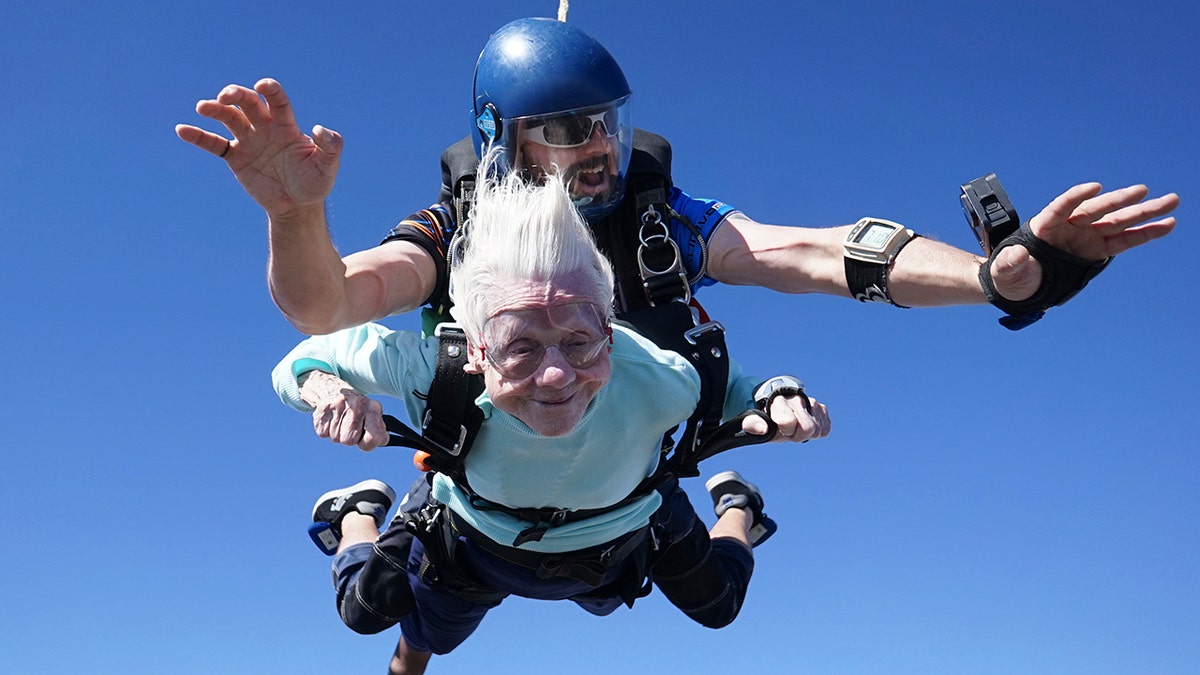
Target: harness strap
[(430, 457), (451, 417), (673, 327), (439, 565), (589, 565)]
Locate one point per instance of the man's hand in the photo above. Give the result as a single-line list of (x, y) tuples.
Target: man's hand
[(279, 166), (1088, 224), (342, 414), (796, 422)]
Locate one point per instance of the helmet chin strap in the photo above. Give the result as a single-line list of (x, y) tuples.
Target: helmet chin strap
[(583, 201)]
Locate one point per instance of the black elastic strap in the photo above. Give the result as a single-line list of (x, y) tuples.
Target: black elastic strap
[(1063, 276), (868, 282), (730, 435)]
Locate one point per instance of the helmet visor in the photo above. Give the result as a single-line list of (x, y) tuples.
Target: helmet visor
[(588, 147), (572, 130)]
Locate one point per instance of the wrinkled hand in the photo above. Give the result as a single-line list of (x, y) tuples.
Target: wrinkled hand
[(795, 422), (343, 415), (279, 166), (1088, 224)]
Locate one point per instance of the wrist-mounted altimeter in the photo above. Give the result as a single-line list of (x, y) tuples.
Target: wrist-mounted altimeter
[(869, 250), (989, 212), (995, 223)]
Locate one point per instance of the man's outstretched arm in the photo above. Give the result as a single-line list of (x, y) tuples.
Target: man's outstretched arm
[(290, 174), (1082, 221)]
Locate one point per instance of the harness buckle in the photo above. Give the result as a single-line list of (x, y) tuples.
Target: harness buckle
[(452, 450), (705, 331), (449, 329), (558, 517), (661, 280), (530, 534), (539, 529)]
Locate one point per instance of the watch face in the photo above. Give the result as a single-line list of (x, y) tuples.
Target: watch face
[(875, 235)]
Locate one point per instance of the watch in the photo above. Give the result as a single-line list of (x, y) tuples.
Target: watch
[(869, 250)]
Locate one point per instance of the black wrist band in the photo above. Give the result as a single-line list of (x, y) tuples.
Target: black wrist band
[(868, 282), (1063, 276)]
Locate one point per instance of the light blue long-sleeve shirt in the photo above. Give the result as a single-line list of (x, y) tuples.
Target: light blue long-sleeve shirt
[(614, 446)]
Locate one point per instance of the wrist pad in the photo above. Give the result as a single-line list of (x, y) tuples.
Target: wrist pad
[(1063, 276)]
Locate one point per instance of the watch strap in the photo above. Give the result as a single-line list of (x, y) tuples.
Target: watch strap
[(867, 281)]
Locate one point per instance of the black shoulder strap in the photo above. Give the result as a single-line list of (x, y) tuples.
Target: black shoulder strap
[(653, 297), (651, 154), (451, 418), (459, 163)]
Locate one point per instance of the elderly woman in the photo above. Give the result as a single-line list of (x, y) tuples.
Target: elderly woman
[(575, 409)]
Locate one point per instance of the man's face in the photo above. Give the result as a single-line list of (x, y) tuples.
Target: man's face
[(589, 169), (544, 353)]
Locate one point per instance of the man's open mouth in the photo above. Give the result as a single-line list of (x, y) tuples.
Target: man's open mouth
[(590, 177)]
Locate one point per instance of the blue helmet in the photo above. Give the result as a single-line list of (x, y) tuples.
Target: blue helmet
[(542, 82)]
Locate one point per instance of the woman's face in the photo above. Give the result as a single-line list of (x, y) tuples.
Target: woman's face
[(544, 353)]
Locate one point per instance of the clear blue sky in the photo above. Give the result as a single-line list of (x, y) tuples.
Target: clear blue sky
[(989, 502)]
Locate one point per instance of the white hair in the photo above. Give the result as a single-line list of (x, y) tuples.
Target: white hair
[(520, 232)]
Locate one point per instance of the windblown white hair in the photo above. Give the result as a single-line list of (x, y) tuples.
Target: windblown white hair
[(520, 232)]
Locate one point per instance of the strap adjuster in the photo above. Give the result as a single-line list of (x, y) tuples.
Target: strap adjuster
[(450, 329), (453, 449), (537, 530), (705, 331)]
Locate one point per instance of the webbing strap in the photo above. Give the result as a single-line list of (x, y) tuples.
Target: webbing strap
[(446, 422), (451, 417)]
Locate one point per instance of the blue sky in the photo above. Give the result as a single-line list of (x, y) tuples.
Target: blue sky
[(989, 502)]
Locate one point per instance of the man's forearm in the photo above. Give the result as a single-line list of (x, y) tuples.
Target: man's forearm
[(305, 274), (321, 293), (928, 273)]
